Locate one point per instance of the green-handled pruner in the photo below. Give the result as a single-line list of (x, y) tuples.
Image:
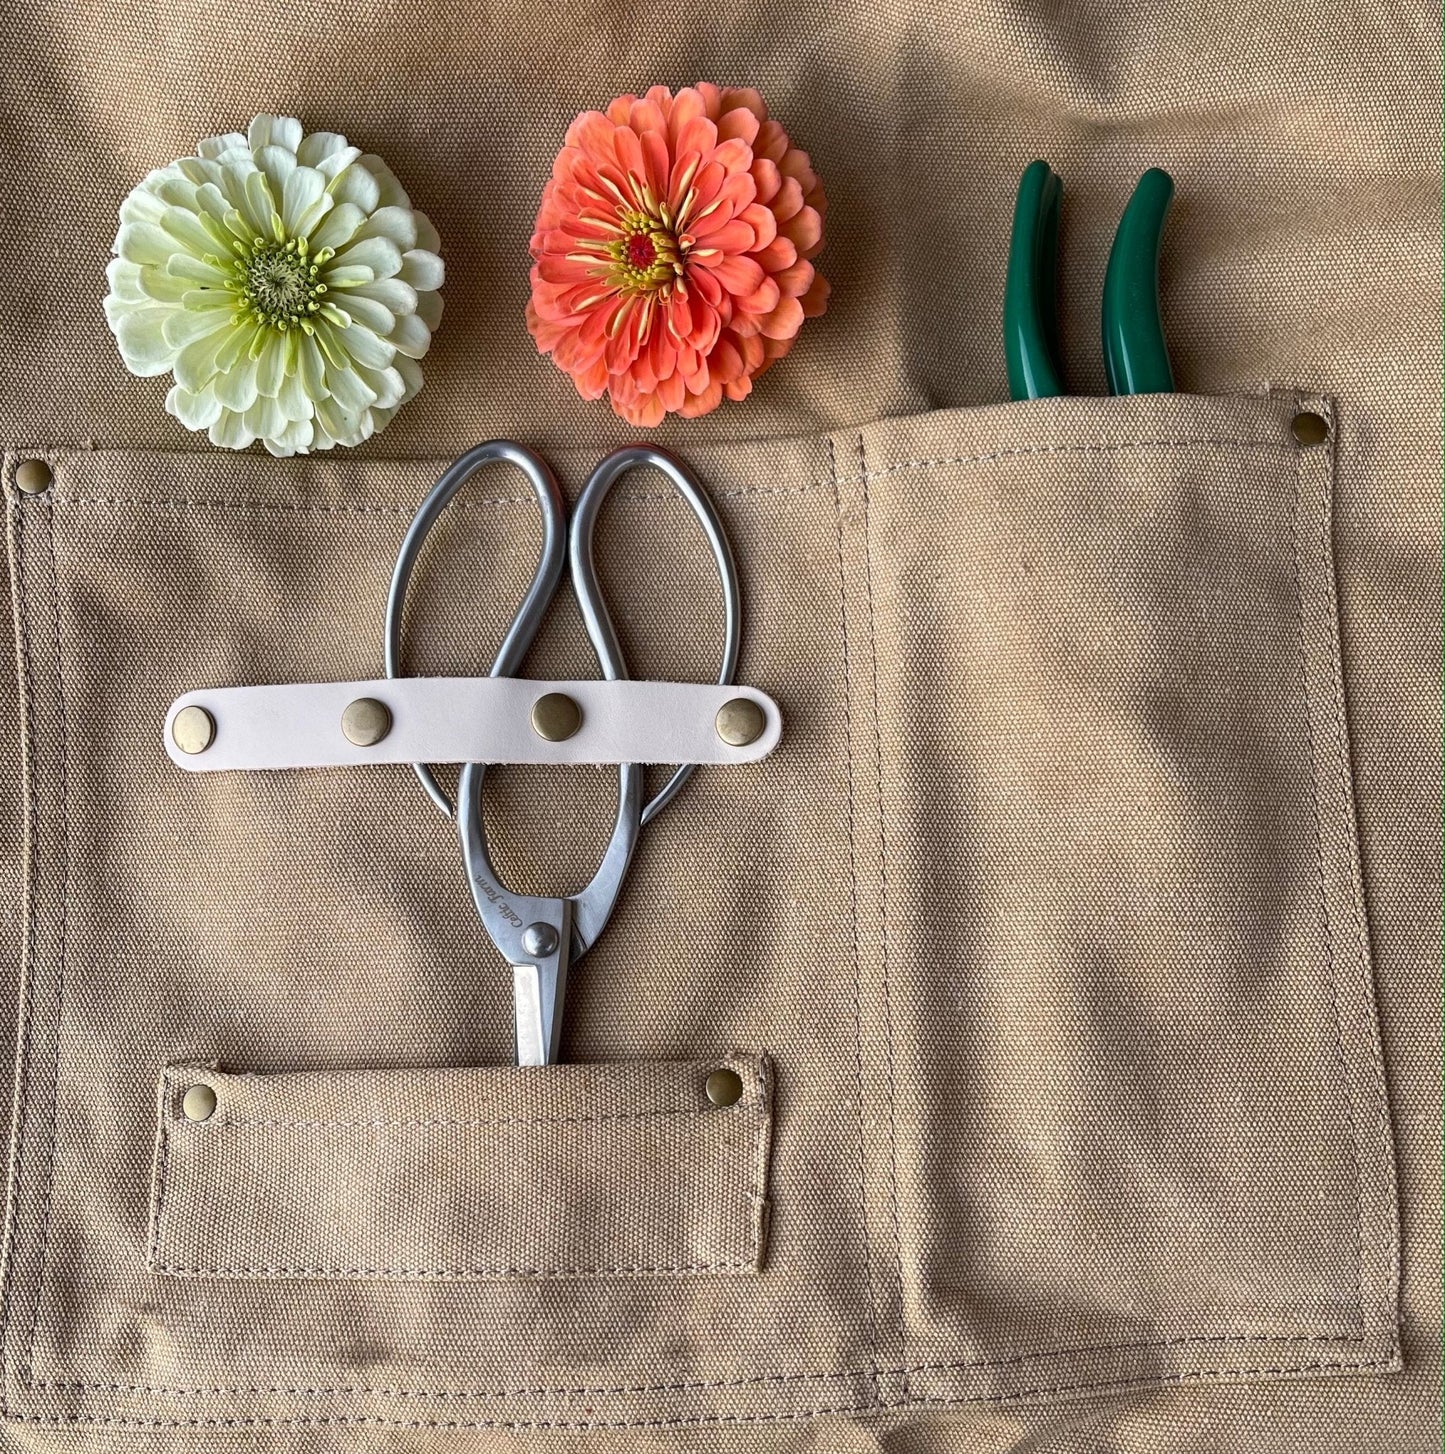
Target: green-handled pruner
[(1136, 357)]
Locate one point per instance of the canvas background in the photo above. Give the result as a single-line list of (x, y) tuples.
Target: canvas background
[(1303, 251)]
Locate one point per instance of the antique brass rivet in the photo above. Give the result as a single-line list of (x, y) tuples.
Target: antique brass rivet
[(198, 1103), (193, 730), (555, 717), (365, 722), (32, 477), (1309, 429), (724, 1087), (740, 722)]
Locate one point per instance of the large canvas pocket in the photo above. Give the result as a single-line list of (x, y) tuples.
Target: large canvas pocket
[(1047, 911)]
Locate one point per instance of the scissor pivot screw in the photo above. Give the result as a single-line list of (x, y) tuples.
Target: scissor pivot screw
[(740, 722), (540, 939), (555, 717), (193, 730), (724, 1087), (1309, 429), (365, 722)]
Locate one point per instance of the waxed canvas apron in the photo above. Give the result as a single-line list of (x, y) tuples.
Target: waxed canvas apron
[(1047, 944)]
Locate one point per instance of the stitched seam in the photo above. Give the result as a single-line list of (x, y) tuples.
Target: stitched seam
[(1296, 531), (21, 1113), (696, 1386), (163, 1157), (208, 1127), (857, 946), (883, 902), (247, 504), (1161, 1380), (1352, 871), (63, 805), (480, 502), (443, 1273)]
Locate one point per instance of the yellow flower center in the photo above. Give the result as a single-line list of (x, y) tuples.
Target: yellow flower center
[(278, 283)]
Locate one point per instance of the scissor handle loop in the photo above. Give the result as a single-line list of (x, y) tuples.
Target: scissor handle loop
[(589, 592), (529, 615), (593, 905)]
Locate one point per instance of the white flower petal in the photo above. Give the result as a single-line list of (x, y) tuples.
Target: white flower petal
[(410, 336), (410, 371), (349, 390), (365, 347), (124, 277), (200, 172), (395, 223), (142, 205), (311, 367), (260, 209), (205, 299), (163, 286), (292, 397), (332, 167), (319, 145), (427, 237), (423, 270), (429, 309), (181, 327), (195, 365), (176, 191), (301, 190), (393, 295), (143, 242), (236, 387), (347, 277), (214, 146), (392, 193), (365, 311), (387, 384), (265, 418), (357, 185), (275, 360), (383, 257), (196, 270), (195, 411), (295, 438), (192, 234), (230, 432), (338, 227), (142, 340), (278, 164), (283, 132)]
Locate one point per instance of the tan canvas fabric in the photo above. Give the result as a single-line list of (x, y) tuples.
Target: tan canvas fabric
[(1078, 947)]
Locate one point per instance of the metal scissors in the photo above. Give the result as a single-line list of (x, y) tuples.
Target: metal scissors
[(540, 937), (1136, 358)]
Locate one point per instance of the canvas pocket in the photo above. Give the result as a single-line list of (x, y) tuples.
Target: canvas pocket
[(1047, 911), (558, 1172), (1137, 1126)]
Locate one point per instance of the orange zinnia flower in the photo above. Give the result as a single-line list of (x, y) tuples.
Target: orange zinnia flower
[(672, 250)]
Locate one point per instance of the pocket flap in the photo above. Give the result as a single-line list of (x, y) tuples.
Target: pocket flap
[(564, 1171)]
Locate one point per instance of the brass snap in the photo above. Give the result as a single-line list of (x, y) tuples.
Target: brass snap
[(724, 1087), (1309, 429), (32, 477), (193, 730), (740, 722), (555, 717), (198, 1103), (365, 722)]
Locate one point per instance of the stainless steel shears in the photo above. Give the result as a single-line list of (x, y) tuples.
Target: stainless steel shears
[(541, 937)]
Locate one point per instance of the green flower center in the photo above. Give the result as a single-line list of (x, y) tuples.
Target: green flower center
[(278, 283)]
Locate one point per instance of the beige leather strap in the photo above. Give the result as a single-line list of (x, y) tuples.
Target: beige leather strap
[(463, 719)]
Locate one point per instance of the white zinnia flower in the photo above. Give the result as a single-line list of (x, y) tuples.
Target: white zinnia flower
[(284, 280)]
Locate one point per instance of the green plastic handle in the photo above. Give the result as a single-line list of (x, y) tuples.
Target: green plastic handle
[(1030, 319), (1136, 358)]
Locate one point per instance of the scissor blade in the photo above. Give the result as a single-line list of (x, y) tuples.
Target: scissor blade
[(539, 986)]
